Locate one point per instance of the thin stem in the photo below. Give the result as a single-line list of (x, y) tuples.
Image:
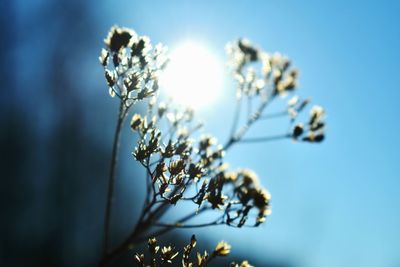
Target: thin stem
[(236, 117), (136, 238), (212, 257), (132, 239), (178, 225), (256, 115), (274, 115), (160, 210), (180, 221), (149, 183), (264, 139), (249, 106), (114, 254), (111, 180)]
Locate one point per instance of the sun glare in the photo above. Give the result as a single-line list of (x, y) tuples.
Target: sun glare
[(194, 75)]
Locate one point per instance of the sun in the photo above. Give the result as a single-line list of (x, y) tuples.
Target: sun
[(194, 75)]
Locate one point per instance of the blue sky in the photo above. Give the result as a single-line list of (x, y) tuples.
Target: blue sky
[(334, 204)]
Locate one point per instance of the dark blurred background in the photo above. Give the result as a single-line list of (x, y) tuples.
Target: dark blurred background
[(53, 158), (335, 205)]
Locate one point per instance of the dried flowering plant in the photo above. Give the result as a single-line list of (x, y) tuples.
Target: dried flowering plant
[(180, 164), (169, 254)]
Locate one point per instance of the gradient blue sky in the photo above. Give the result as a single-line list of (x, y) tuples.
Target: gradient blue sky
[(334, 204)]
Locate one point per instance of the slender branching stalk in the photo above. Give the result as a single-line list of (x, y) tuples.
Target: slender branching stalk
[(265, 138), (123, 111)]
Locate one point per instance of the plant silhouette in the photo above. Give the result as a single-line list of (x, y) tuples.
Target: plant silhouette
[(183, 166)]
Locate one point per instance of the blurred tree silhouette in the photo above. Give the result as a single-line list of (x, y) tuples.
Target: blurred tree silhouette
[(47, 190)]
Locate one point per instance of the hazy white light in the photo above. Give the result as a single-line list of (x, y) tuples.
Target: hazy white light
[(194, 75)]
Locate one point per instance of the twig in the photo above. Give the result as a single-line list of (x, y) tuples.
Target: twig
[(265, 139), (256, 115), (236, 117), (121, 117), (171, 225), (274, 115), (137, 237), (249, 106), (178, 223)]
